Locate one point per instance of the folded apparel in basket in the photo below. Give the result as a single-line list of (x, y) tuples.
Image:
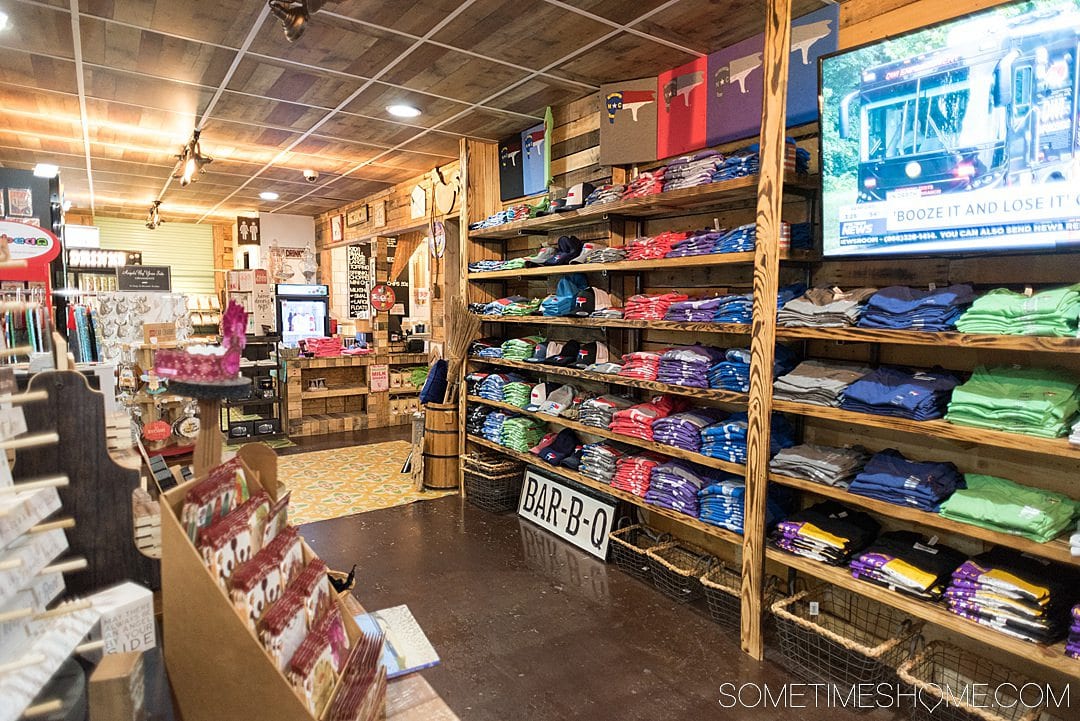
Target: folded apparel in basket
[(727, 439), (898, 307), (818, 383), (1054, 312), (1032, 401), (674, 485), (828, 532), (1016, 593), (920, 395), (825, 308), (904, 561), (1007, 507), (637, 421), (733, 373), (820, 464), (633, 473), (723, 504), (890, 477), (688, 366), (683, 430)]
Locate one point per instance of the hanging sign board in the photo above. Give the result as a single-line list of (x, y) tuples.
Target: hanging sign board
[(156, 278), (383, 297), (359, 279), (570, 514), (380, 379), (28, 242)]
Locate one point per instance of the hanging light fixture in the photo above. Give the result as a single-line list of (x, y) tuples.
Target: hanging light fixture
[(294, 15), (191, 162), (153, 218)]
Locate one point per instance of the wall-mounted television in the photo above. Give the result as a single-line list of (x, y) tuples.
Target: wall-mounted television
[(960, 137)]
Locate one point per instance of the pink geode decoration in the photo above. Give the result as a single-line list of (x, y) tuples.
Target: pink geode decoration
[(206, 363)]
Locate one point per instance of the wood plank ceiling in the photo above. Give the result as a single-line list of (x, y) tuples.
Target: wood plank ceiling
[(109, 90)]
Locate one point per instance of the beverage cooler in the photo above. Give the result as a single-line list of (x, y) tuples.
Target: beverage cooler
[(303, 311)]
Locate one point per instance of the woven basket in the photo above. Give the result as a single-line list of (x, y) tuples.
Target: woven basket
[(722, 586), (677, 569), (942, 666), (629, 547), (492, 483), (850, 640), (491, 463)]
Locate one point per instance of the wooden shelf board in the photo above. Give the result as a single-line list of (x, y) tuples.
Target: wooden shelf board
[(689, 521), (676, 202), (635, 266), (400, 359), (954, 340), (404, 391), (728, 397), (723, 328), (1049, 656), (671, 451), (1056, 550), (351, 390), (937, 428)]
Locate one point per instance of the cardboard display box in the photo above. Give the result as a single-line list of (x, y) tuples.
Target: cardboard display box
[(217, 666)]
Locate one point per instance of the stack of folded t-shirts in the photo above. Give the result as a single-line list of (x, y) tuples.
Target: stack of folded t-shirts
[(740, 164), (613, 313), (608, 368), (675, 485), (827, 532), (602, 254), (482, 266), (641, 365), (1054, 312), (517, 393), (636, 421), (727, 439), (472, 382), (692, 171), (529, 306), (693, 310), (735, 309), (605, 194), (1074, 438), (821, 464), (899, 307), (802, 236), (491, 388), (599, 460), (723, 503), (733, 373), (698, 242), (486, 348), (1007, 507), (521, 348), (907, 562), (890, 477), (633, 473), (598, 412), (825, 308), (563, 300), (521, 434), (683, 430), (493, 423), (1032, 401), (817, 382), (688, 365), (737, 240), (477, 308), (920, 395), (475, 417), (652, 248), (651, 307), (1072, 646), (1015, 593), (645, 184), (498, 307)]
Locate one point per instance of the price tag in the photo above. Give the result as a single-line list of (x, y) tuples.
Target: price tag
[(815, 608)]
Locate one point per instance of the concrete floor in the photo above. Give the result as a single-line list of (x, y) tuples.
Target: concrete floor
[(529, 628)]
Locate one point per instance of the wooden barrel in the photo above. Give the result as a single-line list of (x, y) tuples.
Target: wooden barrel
[(441, 449)]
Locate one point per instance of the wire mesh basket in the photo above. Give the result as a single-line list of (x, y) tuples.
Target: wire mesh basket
[(492, 483), (722, 587), (943, 677), (834, 636), (629, 547), (677, 569)]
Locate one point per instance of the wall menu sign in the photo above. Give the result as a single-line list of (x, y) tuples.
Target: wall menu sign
[(570, 514), (144, 278), (359, 280)]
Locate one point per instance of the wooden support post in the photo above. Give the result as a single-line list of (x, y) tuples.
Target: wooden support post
[(208, 443), (766, 284)]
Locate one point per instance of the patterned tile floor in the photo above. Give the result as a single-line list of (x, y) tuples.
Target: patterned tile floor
[(344, 481)]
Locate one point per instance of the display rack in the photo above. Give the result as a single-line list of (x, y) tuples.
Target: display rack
[(771, 197), (257, 417)]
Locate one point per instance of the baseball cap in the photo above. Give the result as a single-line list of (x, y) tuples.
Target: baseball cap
[(539, 353), (558, 400), (541, 257), (590, 300), (564, 445), (568, 247), (567, 356), (539, 395), (586, 249), (545, 442), (592, 353)]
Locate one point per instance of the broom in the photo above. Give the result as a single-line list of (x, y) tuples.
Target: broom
[(463, 328)]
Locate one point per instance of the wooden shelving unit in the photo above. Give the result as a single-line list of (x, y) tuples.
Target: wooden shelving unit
[(1024, 343), (619, 323), (338, 392)]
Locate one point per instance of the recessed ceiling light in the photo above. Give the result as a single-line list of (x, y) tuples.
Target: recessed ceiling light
[(269, 195), (3, 21), (403, 111), (46, 170)]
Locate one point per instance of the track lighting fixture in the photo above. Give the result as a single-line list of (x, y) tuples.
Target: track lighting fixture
[(191, 162), (153, 218), (294, 15)]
